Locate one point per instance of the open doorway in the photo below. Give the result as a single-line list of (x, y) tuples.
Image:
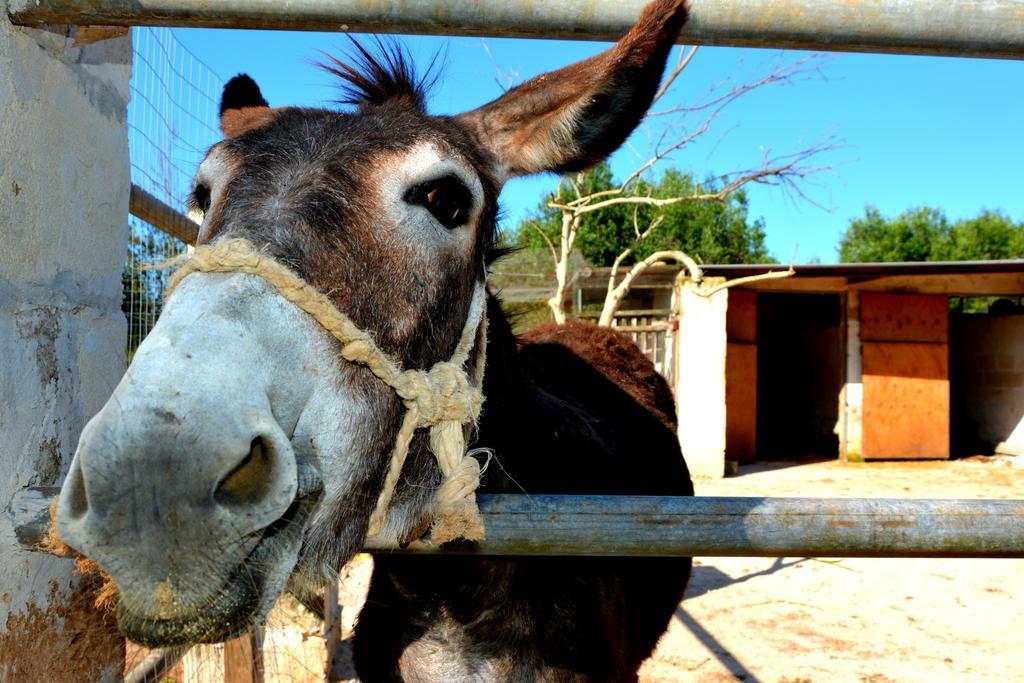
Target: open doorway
[(986, 359), (799, 375)]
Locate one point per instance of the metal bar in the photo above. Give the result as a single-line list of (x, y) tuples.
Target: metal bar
[(749, 527), (146, 207), (980, 28), (156, 665), (665, 526)]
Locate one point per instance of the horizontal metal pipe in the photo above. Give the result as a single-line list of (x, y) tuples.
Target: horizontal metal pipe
[(980, 28), (157, 664), (708, 527), (748, 527)]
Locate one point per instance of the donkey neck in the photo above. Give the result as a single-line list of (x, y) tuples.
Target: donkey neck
[(539, 440)]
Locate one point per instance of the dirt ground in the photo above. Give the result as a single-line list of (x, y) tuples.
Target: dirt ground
[(800, 619), (874, 620)]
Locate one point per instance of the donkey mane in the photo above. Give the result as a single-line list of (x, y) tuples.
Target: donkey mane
[(386, 74)]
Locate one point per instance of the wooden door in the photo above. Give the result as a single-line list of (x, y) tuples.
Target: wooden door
[(905, 347), (741, 377)]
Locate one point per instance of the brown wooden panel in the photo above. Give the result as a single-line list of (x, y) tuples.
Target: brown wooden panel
[(741, 316), (906, 401), (741, 401), (904, 317), (242, 660)]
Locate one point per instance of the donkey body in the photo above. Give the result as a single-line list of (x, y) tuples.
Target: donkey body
[(573, 409), (242, 456)]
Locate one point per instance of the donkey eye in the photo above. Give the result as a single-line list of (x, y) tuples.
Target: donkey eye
[(200, 198), (447, 200)]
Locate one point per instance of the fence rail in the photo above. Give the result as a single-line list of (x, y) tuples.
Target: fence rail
[(666, 526), (981, 28), (162, 216)]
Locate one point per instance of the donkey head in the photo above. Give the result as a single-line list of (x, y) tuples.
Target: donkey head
[(240, 452)]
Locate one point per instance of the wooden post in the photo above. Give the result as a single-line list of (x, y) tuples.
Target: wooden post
[(242, 660), (332, 627)]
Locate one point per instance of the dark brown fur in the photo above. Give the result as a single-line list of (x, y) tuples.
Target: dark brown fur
[(558, 423), (617, 358)]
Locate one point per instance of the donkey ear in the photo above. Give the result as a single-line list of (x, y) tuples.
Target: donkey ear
[(242, 107), (570, 119)]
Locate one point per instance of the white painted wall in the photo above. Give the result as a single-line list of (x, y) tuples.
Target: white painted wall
[(850, 427), (64, 183), (700, 379)]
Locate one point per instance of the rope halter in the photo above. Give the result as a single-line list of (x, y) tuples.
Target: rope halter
[(444, 398)]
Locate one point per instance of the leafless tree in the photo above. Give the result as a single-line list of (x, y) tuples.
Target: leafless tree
[(789, 171)]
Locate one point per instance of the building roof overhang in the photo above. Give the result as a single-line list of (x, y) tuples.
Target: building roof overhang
[(952, 278)]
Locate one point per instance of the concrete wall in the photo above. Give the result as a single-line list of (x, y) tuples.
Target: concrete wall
[(987, 383), (63, 227), (850, 426)]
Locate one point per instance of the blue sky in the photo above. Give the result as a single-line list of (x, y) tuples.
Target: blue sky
[(915, 130)]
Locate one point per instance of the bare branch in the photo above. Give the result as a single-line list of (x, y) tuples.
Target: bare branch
[(680, 67), (685, 140), (785, 73), (784, 170), (651, 228), (551, 245), (570, 229), (576, 182), (790, 171), (746, 280), (802, 69), (506, 80), (616, 294)]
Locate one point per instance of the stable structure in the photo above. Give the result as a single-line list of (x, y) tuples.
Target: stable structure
[(855, 361)]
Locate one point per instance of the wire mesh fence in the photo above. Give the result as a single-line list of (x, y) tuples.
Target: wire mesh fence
[(172, 120)]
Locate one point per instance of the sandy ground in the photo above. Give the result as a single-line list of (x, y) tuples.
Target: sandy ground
[(793, 619), (874, 620)]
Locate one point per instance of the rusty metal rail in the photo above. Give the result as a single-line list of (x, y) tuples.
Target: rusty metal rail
[(980, 28), (705, 527), (761, 527)]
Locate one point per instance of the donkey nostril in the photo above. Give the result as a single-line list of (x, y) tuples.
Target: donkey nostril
[(251, 479), (73, 493)]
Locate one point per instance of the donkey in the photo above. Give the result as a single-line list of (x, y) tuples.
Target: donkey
[(241, 455)]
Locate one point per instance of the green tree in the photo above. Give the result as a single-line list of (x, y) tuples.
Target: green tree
[(714, 232), (990, 235), (925, 234), (915, 235)]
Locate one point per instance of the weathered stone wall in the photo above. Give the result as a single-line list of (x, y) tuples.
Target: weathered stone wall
[(64, 183)]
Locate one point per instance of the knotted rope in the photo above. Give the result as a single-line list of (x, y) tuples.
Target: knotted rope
[(443, 398)]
